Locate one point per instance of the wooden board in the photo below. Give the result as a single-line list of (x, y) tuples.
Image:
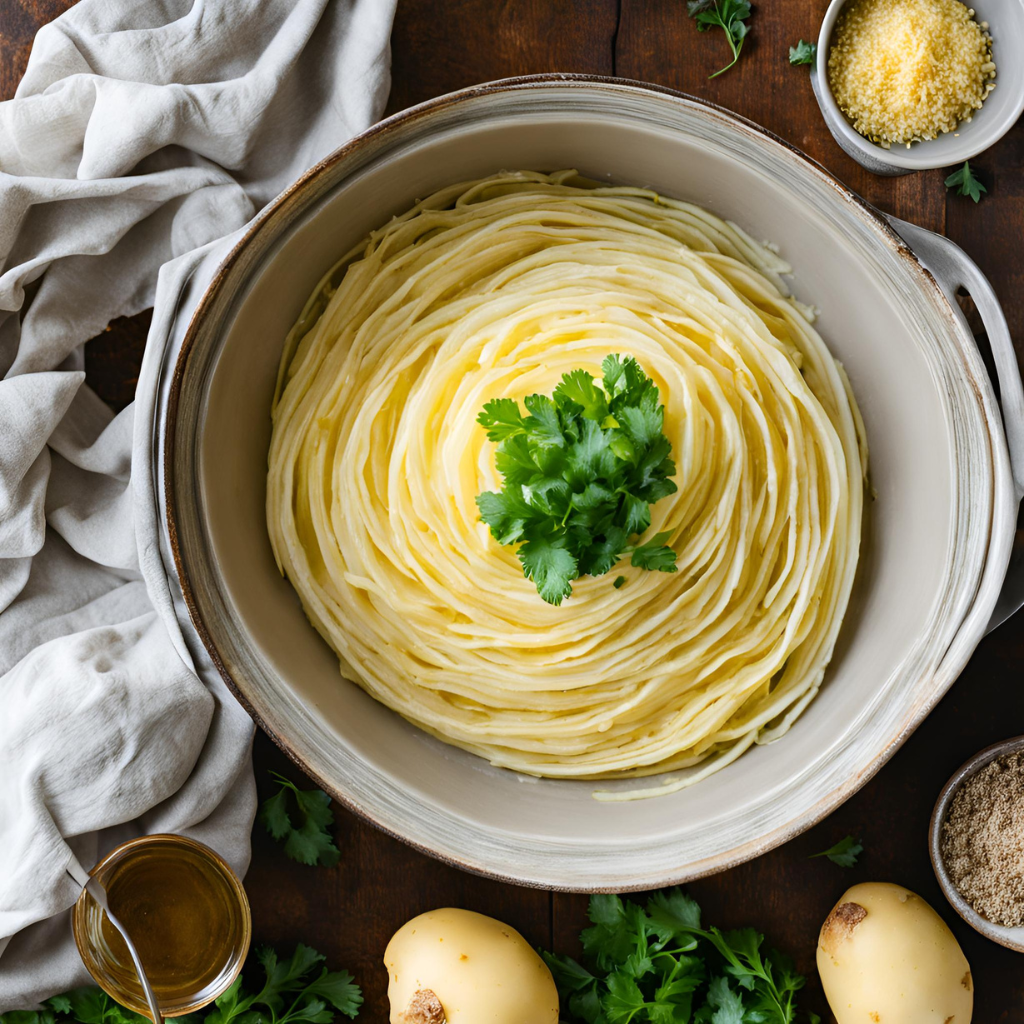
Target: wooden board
[(350, 911)]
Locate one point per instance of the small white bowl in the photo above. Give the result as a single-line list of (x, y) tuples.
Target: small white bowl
[(1012, 938), (997, 116)]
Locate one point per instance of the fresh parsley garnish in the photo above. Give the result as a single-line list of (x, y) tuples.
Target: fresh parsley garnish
[(803, 53), (291, 994), (310, 842), (84, 1005), (844, 853), (581, 470), (657, 964), (729, 15), (966, 183)]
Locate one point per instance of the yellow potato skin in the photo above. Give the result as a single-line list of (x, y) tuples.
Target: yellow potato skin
[(482, 971), (885, 957)]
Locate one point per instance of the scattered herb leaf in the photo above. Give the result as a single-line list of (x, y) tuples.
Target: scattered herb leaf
[(803, 53), (657, 964), (581, 470), (290, 994), (85, 1005), (965, 182), (619, 580), (310, 842), (729, 15), (844, 853)]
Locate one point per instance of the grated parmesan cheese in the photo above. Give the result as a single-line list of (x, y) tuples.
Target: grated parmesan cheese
[(906, 70)]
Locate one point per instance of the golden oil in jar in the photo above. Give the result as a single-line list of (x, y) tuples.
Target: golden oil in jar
[(188, 917)]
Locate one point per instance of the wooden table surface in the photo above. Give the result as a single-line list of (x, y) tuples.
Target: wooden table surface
[(350, 911)]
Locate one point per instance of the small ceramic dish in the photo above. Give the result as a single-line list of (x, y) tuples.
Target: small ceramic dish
[(997, 116), (1012, 938)]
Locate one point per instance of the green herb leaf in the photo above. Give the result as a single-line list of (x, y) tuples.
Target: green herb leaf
[(290, 995), (965, 182), (659, 965), (311, 842), (619, 580), (655, 554), (502, 419), (844, 853), (803, 53), (728, 15), (580, 472), (726, 1004), (550, 565)]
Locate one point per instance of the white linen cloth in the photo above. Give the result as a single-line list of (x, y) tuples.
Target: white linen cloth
[(143, 137)]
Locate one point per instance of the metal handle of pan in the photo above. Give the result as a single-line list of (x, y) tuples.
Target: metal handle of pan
[(953, 269)]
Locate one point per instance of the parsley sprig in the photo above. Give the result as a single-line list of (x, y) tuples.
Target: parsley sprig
[(291, 993), (581, 470), (803, 53), (657, 964), (728, 15), (310, 842), (966, 183), (84, 1005), (844, 853)]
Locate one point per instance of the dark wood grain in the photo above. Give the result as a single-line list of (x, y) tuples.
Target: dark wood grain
[(350, 911)]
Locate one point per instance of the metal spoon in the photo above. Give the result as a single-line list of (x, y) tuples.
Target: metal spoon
[(99, 894)]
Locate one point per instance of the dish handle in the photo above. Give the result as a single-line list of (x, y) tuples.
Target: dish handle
[(953, 269)]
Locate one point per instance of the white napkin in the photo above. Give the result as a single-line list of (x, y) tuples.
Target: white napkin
[(143, 137)]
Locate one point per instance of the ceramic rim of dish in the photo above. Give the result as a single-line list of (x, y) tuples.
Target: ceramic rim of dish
[(79, 911), (962, 641)]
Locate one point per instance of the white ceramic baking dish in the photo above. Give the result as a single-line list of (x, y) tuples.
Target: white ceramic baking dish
[(936, 545)]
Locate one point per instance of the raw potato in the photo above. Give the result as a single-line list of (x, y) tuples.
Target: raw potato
[(885, 957), (457, 967)]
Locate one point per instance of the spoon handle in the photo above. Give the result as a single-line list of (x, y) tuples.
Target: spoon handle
[(99, 894)]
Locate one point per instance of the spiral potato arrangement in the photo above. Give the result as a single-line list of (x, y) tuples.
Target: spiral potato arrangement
[(496, 288)]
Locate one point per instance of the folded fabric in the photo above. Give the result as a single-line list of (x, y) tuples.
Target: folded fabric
[(143, 137)]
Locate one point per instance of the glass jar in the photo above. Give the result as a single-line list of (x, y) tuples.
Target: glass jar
[(188, 917)]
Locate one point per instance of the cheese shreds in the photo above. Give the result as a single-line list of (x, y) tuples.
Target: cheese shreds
[(907, 70)]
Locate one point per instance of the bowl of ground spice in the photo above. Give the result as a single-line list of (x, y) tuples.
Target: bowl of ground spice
[(908, 85), (977, 842)]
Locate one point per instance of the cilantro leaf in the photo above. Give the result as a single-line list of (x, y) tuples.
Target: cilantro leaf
[(655, 554), (844, 853), (502, 419), (623, 1000), (309, 843), (658, 964), (580, 472), (674, 913), (576, 986), (728, 15), (581, 389), (551, 566), (290, 994), (803, 53), (543, 424), (965, 182), (339, 990)]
